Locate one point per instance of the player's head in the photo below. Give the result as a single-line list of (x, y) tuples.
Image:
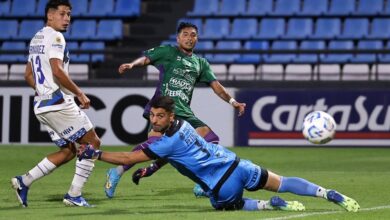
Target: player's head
[(57, 14), (187, 36), (162, 113)]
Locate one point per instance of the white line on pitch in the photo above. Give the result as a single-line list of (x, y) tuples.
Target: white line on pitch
[(325, 213)]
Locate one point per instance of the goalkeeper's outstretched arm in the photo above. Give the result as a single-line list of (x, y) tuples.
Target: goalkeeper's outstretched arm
[(118, 158)]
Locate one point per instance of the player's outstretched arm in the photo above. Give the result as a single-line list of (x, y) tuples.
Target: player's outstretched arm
[(142, 61), (224, 95), (86, 151)]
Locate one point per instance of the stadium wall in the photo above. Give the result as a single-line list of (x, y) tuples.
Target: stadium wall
[(273, 115), (116, 113)]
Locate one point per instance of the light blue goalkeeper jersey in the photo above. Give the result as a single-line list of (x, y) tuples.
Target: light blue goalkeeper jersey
[(204, 163)]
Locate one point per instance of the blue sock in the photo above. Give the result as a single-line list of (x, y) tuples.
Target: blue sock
[(298, 186), (256, 205), (250, 204)]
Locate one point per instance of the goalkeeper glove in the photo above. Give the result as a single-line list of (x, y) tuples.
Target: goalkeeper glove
[(86, 151), (144, 172)]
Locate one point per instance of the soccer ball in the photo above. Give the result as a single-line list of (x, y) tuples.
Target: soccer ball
[(319, 127)]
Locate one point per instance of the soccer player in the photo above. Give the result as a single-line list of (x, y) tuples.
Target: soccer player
[(54, 105), (180, 69), (220, 173)]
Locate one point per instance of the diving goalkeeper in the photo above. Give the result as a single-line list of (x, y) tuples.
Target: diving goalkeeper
[(219, 171)]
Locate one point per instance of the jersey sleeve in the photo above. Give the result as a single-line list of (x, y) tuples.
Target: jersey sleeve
[(56, 46), (162, 147), (206, 74), (157, 53)]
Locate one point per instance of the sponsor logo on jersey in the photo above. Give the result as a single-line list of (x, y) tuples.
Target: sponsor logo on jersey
[(177, 93), (186, 73), (180, 83), (59, 46)]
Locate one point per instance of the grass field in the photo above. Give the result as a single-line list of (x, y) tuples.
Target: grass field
[(363, 174)]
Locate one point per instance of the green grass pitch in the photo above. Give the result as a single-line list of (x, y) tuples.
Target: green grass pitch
[(363, 174)]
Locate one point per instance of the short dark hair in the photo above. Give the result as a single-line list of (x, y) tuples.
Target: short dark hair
[(53, 4), (183, 25), (164, 102)]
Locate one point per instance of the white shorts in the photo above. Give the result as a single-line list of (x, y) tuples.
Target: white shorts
[(66, 125)]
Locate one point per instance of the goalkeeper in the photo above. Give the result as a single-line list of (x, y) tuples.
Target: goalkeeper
[(220, 173)]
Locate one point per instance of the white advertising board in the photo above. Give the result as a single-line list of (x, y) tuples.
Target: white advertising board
[(116, 113)]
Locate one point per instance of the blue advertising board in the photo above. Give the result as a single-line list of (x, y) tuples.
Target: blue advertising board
[(274, 117)]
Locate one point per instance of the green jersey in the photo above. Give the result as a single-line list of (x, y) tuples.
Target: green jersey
[(178, 75)]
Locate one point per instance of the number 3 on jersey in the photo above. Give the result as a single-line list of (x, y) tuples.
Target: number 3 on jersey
[(37, 70)]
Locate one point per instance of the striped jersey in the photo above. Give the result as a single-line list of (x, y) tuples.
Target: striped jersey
[(45, 45)]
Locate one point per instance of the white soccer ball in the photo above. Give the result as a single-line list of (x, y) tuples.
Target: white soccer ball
[(319, 127)]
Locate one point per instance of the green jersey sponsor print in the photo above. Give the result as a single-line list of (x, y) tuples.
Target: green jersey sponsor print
[(178, 75)]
